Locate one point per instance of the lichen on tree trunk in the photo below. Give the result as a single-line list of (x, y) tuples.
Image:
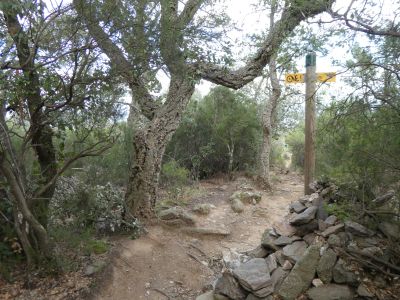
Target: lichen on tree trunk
[(149, 143)]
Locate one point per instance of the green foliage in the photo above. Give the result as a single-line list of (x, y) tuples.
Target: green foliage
[(341, 211), (70, 243), (295, 141), (174, 178), (77, 206), (221, 123)]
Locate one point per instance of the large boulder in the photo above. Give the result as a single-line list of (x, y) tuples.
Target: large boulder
[(331, 292), (304, 217), (301, 276), (176, 213), (228, 286), (253, 275), (325, 265)]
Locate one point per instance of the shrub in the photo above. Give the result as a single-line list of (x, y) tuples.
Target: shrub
[(174, 177), (78, 205), (295, 141)]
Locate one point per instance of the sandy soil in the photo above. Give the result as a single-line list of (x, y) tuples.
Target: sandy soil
[(169, 264)]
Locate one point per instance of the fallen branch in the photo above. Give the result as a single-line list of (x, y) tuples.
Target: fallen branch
[(366, 263), (162, 293), (376, 259)]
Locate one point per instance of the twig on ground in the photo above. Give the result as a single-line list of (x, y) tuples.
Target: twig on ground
[(162, 293)]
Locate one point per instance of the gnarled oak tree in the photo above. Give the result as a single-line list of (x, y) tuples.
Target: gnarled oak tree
[(142, 37)]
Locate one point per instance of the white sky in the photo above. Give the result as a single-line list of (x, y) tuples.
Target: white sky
[(245, 17)]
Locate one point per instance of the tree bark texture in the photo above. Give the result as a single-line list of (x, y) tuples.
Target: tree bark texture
[(149, 144), (268, 119), (157, 122)]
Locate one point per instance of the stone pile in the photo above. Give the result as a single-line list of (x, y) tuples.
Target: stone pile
[(302, 257)]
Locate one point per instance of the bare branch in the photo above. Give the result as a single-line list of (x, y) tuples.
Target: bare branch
[(291, 17)]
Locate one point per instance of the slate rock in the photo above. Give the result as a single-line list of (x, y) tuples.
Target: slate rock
[(322, 214), (277, 278), (272, 262), (297, 207), (284, 228), (206, 296), (220, 297), (342, 275), (326, 265), (333, 230), (284, 240), (344, 237), (310, 238), (253, 275), (273, 232), (228, 286), (322, 225), (304, 229), (334, 241), (357, 229), (304, 217), (295, 251), (330, 292), (367, 242), (391, 230), (373, 251), (253, 297), (279, 257), (287, 265), (364, 292), (259, 252), (267, 241), (314, 199), (301, 276), (176, 213), (331, 220)]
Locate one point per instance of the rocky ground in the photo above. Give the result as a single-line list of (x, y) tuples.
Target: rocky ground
[(234, 241), (312, 255), (182, 256)]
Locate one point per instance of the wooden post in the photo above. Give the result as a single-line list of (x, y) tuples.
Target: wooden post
[(309, 146)]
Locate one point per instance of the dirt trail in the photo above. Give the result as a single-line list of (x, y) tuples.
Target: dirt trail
[(169, 264)]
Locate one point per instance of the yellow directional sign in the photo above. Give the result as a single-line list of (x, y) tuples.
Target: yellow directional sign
[(327, 77), (321, 77), (294, 78)]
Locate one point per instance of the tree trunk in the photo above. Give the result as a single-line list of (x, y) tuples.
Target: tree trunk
[(268, 118), (42, 134), (231, 149), (149, 143)]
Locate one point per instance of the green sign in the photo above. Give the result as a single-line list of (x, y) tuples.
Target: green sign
[(311, 59)]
